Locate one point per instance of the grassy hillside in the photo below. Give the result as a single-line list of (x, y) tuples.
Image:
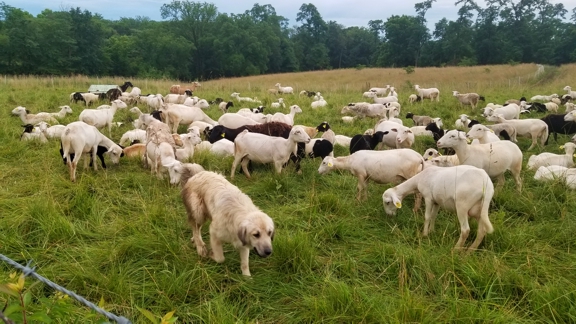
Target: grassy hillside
[(121, 234)]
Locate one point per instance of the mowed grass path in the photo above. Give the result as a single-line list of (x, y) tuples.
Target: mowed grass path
[(122, 234)]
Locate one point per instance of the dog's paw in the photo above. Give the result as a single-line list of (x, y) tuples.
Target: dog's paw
[(202, 251), (217, 258)]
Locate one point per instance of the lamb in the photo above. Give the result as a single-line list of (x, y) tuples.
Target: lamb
[(101, 118), (512, 111), (279, 103), (414, 98), (51, 131), (284, 90), (365, 142), (63, 111), (482, 134), (189, 140), (469, 99), (285, 118), (364, 109), (183, 115), (440, 160), (224, 105), (30, 134), (133, 135), (495, 158), (319, 103), (80, 137), (430, 93), (419, 120), (569, 91), (464, 189), (265, 149), (33, 119), (546, 159), (553, 172), (544, 98), (381, 167), (557, 124)]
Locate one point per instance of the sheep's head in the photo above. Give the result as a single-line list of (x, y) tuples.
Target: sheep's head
[(327, 165), (417, 87), (299, 135), (115, 152), (451, 138), (295, 108), (567, 88), (324, 126), (430, 154), (477, 131), (119, 104), (571, 116), (235, 94), (391, 201), (455, 93), (20, 111)]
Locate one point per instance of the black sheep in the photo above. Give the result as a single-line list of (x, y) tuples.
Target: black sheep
[(557, 125), (366, 142)]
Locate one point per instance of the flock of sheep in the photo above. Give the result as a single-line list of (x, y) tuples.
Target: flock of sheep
[(461, 182)]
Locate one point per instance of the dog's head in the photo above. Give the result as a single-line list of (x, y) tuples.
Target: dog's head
[(257, 231)]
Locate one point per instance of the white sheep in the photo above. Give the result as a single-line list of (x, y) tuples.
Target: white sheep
[(80, 137), (550, 106), (464, 189), (469, 99), (570, 106), (189, 141), (284, 90), (319, 103), (202, 103), (533, 128), (543, 97), (31, 133), (382, 167), (133, 135), (557, 172), (384, 100), (429, 93), (369, 94), (395, 135), (380, 91), (224, 105), (235, 120), (89, 98), (393, 92), (546, 158), (285, 118), (317, 96), (365, 109), (462, 122), (223, 147), (236, 95), (511, 111), (177, 98), (63, 111), (569, 91), (28, 118), (349, 119), (253, 114), (482, 134), (51, 131), (412, 98), (265, 149), (495, 158), (279, 103), (342, 140), (159, 157), (101, 118), (176, 115)]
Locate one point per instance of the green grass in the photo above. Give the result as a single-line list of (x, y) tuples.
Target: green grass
[(122, 234)]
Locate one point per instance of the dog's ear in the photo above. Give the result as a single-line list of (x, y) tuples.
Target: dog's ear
[(272, 236), (242, 233)]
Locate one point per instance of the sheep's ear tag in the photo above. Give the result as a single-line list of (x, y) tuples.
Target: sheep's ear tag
[(330, 164), (324, 126), (562, 147), (398, 204), (223, 134), (439, 153), (468, 140), (574, 155), (491, 131), (429, 158)]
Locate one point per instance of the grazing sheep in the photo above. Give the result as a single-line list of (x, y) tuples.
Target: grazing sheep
[(505, 130), (349, 119), (183, 115), (384, 100), (159, 157), (224, 105), (380, 91), (430, 93), (419, 120), (559, 124), (557, 172), (285, 118), (177, 89), (414, 98), (317, 147), (435, 129), (101, 118), (33, 119), (284, 90), (533, 128), (233, 218), (265, 149), (235, 120), (365, 142), (133, 135), (365, 109), (342, 140), (464, 189), (468, 99), (178, 170), (546, 159), (381, 167), (462, 122), (540, 107), (135, 150), (395, 135), (495, 158), (80, 137), (220, 132), (369, 94)]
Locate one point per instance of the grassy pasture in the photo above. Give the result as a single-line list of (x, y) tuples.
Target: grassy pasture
[(122, 234)]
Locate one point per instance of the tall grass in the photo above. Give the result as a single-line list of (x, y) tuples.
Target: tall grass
[(122, 234)]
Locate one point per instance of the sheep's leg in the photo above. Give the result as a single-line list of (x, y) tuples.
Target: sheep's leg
[(479, 235), (244, 254), (72, 169), (534, 142), (217, 253), (237, 159), (428, 215), (462, 213), (499, 182), (94, 157), (435, 209), (417, 202), (362, 191), (244, 163), (278, 166)]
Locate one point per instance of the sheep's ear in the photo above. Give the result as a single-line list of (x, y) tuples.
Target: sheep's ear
[(397, 202), (462, 135), (394, 130), (242, 233), (27, 111)]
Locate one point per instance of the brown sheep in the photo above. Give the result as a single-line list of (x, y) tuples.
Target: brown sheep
[(177, 89)]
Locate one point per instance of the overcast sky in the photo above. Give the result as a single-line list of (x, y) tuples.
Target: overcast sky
[(346, 12)]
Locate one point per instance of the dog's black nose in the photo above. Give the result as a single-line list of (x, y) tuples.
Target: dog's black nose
[(267, 252)]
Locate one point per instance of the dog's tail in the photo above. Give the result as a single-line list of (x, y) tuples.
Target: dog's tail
[(189, 171)]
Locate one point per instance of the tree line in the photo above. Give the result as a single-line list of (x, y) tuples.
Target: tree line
[(197, 42)]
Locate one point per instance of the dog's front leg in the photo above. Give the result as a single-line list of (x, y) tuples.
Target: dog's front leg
[(244, 257), (217, 253)]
